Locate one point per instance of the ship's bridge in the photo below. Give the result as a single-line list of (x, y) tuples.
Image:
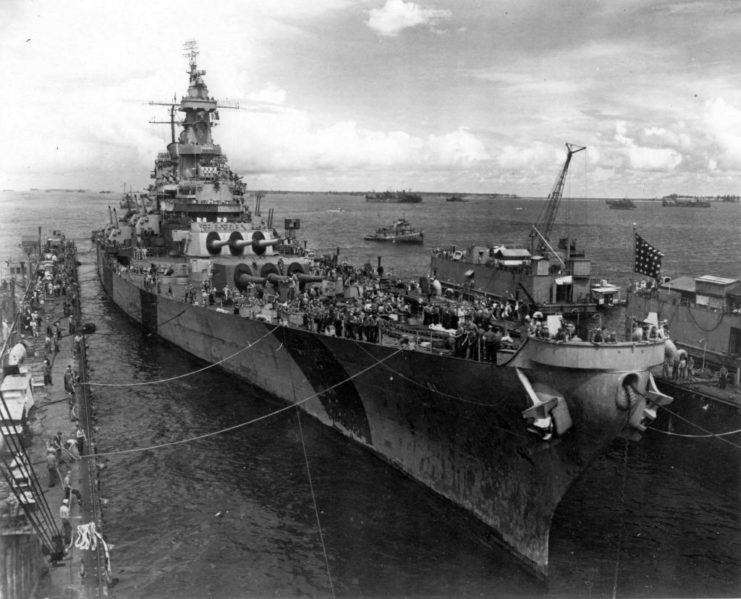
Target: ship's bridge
[(190, 149)]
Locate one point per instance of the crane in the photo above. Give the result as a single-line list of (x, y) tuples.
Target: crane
[(548, 216)]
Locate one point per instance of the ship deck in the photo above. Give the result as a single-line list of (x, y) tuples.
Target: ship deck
[(397, 330)]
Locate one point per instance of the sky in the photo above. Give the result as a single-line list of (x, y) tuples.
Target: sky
[(474, 96)]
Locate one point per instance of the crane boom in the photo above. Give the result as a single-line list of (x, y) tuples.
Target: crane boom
[(548, 216)]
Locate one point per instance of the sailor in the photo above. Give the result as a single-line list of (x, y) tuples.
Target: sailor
[(69, 491), (66, 526), (489, 348), (722, 376), (69, 378), (51, 463), (80, 436), (47, 372)]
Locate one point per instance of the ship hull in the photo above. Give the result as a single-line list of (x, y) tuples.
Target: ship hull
[(454, 425)]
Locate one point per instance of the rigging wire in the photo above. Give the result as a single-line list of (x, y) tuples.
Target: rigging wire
[(187, 374), (242, 424), (427, 387), (709, 433), (623, 482), (42, 520), (707, 436), (313, 499), (311, 483)]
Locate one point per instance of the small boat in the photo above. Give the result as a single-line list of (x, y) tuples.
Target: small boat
[(400, 232), (624, 204), (677, 201)]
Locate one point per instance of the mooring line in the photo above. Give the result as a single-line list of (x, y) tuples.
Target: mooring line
[(709, 433), (622, 519), (242, 424), (313, 499), (187, 374)]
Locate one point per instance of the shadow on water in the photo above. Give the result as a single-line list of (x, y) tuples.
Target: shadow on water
[(649, 522)]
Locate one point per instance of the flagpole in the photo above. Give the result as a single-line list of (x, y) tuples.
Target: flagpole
[(629, 315)]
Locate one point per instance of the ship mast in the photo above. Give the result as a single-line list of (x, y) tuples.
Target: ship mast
[(194, 146)]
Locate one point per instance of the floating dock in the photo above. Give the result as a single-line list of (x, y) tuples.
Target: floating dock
[(37, 563)]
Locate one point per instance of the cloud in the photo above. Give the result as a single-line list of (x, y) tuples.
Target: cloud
[(645, 158), (397, 15), (288, 141), (723, 122), (270, 94)]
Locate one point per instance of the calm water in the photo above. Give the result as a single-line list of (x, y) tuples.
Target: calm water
[(233, 516)]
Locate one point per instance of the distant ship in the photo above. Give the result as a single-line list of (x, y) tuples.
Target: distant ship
[(455, 199), (677, 201), (400, 232), (624, 204), (399, 197)]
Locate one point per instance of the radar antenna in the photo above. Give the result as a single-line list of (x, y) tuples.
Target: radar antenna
[(190, 48)]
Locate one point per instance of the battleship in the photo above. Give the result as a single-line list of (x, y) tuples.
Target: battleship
[(502, 438)]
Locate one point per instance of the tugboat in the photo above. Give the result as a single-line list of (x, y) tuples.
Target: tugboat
[(502, 437), (400, 232)]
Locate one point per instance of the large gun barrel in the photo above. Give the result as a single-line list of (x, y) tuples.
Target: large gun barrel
[(305, 278), (245, 279), (275, 278)]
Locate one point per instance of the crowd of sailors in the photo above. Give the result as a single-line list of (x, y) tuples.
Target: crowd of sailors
[(369, 310), (54, 279)]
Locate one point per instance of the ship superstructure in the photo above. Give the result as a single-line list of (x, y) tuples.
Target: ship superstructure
[(196, 210)]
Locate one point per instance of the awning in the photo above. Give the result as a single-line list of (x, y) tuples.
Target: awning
[(567, 280)]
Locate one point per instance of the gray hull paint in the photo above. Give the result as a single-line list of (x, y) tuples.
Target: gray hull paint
[(452, 424)]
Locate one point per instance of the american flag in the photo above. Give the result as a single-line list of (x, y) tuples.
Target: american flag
[(647, 258)]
